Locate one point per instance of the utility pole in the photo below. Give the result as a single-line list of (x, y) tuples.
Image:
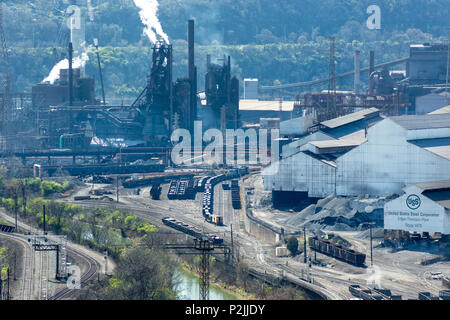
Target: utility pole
[(7, 293), (15, 265), (24, 200), (15, 208), (106, 262), (117, 189), (371, 255), (232, 243), (43, 212), (304, 244)]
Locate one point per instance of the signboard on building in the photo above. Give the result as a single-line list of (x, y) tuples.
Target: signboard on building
[(415, 213)]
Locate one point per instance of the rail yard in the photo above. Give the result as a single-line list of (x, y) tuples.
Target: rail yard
[(340, 194)]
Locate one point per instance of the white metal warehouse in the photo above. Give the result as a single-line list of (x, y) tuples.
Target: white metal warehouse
[(396, 152)]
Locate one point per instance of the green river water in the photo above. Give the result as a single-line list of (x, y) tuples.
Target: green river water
[(188, 288)]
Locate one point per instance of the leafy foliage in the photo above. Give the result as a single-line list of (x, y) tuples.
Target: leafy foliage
[(101, 229), (276, 41), (49, 187), (292, 245), (142, 274)]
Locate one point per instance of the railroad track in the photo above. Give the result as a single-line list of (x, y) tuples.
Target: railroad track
[(27, 285), (26, 291), (154, 213), (44, 275), (85, 277)]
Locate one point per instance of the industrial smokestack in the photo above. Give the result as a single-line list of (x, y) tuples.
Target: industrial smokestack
[(70, 74), (192, 74), (357, 71), (70, 85)]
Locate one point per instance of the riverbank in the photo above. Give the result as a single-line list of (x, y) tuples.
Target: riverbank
[(237, 280), (237, 292)]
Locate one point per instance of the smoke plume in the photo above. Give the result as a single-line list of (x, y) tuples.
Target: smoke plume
[(78, 62), (148, 13)]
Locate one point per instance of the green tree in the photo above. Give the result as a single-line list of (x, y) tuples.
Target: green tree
[(292, 245), (143, 274)]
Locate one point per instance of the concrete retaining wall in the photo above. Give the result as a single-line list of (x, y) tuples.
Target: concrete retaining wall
[(261, 230)]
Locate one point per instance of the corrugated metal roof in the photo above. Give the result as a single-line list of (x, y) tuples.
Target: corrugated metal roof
[(441, 110), (443, 151), (445, 204), (426, 121), (439, 146), (438, 191), (327, 159), (349, 118), (359, 136), (434, 185), (336, 143)]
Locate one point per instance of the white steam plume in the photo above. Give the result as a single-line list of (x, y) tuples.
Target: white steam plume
[(78, 62), (148, 13)]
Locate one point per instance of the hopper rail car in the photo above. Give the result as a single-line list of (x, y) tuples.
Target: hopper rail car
[(191, 230), (337, 251), (366, 293), (208, 195)]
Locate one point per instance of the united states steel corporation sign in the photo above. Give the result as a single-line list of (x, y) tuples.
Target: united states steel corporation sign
[(413, 201)]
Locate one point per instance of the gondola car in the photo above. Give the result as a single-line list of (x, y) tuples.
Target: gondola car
[(190, 230), (337, 251)]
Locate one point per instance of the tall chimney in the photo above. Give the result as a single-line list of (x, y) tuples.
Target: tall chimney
[(357, 72), (70, 74), (192, 75), (70, 85)]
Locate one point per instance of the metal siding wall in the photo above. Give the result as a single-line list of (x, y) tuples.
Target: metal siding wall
[(301, 172), (386, 163), (446, 221)]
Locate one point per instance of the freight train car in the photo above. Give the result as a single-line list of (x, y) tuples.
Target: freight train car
[(200, 186), (155, 191), (190, 230), (337, 251), (207, 185), (366, 293), (173, 188), (6, 228), (235, 194)]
